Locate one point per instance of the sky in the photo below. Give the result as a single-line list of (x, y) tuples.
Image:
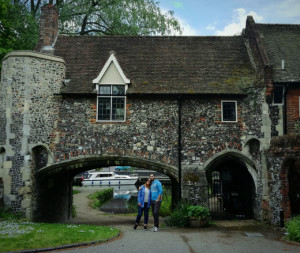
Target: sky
[(228, 17)]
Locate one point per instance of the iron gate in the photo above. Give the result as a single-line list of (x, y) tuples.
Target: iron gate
[(229, 194)]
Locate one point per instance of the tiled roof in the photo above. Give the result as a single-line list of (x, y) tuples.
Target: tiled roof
[(282, 42), (208, 65)]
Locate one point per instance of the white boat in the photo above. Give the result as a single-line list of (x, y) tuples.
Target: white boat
[(108, 178)]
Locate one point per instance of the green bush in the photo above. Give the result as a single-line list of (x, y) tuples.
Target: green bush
[(100, 197), (179, 216), (199, 212), (293, 229), (166, 204)]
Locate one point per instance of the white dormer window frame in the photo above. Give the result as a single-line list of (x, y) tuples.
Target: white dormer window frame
[(111, 86), (111, 103)]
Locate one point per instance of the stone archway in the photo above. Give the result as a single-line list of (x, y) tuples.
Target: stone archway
[(294, 187), (53, 187), (290, 188), (232, 184)]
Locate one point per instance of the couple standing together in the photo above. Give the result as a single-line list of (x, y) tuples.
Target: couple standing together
[(150, 194)]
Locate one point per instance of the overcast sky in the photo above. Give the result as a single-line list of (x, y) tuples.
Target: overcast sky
[(228, 17)]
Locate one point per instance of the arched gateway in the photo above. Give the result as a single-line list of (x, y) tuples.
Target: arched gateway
[(53, 183), (232, 185)]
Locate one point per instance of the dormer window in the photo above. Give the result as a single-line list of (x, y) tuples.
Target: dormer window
[(111, 103), (111, 86)]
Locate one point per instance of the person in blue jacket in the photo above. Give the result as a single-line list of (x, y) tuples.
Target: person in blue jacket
[(156, 198), (144, 199)]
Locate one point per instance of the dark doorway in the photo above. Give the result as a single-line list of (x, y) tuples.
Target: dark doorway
[(231, 191), (1, 194), (294, 188)]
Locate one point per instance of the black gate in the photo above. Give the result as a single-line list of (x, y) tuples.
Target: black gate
[(230, 192)]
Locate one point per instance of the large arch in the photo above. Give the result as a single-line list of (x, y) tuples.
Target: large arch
[(53, 183), (232, 181), (290, 188)]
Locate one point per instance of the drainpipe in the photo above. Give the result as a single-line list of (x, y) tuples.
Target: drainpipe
[(179, 144)]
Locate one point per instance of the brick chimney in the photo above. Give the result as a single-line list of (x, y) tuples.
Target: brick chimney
[(48, 28)]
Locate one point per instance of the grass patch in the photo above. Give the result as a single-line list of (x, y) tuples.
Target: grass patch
[(293, 229), (75, 192), (100, 197), (18, 234)]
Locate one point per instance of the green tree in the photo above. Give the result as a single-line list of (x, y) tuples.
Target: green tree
[(19, 20), (115, 17), (18, 28)]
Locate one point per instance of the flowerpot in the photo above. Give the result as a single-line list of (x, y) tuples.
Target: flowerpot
[(198, 223)]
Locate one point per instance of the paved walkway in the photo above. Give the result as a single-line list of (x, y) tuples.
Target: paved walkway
[(208, 240), (234, 236)]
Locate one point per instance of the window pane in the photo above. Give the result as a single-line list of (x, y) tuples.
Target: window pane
[(229, 112), (278, 94), (104, 108), (118, 90), (118, 108), (105, 90)]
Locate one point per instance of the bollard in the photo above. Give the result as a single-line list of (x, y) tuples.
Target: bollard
[(281, 218)]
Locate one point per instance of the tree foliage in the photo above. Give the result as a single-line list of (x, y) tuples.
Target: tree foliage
[(115, 17), (18, 27), (19, 20)]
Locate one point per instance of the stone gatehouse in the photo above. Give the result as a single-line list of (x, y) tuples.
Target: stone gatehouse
[(205, 111)]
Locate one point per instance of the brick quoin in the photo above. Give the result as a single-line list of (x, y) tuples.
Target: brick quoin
[(285, 202), (292, 111)]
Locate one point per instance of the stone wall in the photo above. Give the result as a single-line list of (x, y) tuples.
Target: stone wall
[(28, 87), (283, 152), (150, 130), (38, 120)]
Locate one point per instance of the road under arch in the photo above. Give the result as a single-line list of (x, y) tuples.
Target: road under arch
[(53, 183)]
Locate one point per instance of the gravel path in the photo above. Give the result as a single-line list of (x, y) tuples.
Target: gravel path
[(89, 215)]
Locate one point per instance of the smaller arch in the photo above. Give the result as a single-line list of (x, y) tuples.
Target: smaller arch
[(234, 155), (232, 183), (2, 156), (251, 138), (40, 156), (289, 177), (229, 153), (253, 147)]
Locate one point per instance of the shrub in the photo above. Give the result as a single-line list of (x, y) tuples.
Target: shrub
[(166, 204), (199, 212), (293, 229), (179, 216), (100, 197)]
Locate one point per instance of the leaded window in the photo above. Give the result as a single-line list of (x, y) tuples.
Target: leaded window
[(111, 103), (229, 111)]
